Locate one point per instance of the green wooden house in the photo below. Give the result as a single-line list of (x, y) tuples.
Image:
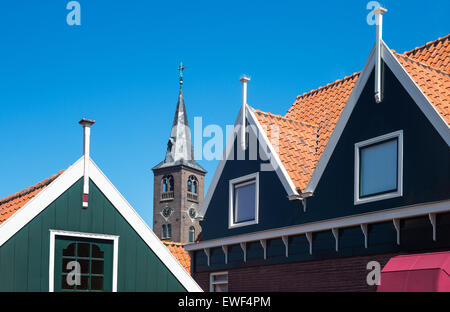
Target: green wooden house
[(76, 232)]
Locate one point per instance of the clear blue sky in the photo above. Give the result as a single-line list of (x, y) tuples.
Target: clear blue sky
[(119, 68)]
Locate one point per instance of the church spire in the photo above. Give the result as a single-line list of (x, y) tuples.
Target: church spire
[(179, 148)]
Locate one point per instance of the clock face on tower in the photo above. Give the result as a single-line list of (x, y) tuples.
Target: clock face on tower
[(192, 213), (166, 212)]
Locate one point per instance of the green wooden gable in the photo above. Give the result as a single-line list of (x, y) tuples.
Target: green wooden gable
[(25, 256)]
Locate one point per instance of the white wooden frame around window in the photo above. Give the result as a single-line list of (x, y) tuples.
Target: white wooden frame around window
[(211, 280), (54, 233), (251, 178), (399, 192)]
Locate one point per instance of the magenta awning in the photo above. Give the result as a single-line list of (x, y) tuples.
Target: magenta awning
[(418, 272)]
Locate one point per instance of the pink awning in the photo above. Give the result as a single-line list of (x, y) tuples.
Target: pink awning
[(418, 272)]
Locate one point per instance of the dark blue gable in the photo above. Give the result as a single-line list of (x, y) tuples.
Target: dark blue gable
[(275, 209), (426, 156), (426, 168)]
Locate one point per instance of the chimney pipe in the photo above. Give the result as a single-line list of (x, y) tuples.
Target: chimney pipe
[(244, 81), (379, 38), (86, 123)]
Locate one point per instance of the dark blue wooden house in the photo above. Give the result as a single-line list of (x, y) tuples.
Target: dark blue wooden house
[(355, 174)]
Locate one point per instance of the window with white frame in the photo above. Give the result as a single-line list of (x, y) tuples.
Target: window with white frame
[(218, 282), (379, 168), (243, 201)]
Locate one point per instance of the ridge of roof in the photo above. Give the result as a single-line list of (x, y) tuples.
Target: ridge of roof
[(407, 58), (336, 82), (31, 189), (280, 117)]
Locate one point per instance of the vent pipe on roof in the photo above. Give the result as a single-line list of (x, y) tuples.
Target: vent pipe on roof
[(379, 22), (86, 123), (244, 81)]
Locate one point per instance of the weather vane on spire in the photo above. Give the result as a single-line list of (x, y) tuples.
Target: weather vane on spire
[(181, 68)]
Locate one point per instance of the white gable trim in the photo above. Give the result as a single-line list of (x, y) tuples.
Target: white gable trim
[(41, 201), (55, 189), (410, 86), (342, 122), (142, 229), (280, 170), (416, 93)]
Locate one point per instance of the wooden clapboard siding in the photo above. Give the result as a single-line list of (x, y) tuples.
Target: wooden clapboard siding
[(24, 258)]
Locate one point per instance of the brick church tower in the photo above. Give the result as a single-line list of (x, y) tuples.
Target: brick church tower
[(178, 183)]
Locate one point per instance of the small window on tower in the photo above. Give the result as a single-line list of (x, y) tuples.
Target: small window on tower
[(192, 188), (167, 188), (169, 230), (164, 231), (191, 234)]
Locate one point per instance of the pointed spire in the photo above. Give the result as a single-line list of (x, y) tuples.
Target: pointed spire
[(179, 147)]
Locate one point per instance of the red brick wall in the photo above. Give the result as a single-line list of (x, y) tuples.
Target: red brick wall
[(344, 274)]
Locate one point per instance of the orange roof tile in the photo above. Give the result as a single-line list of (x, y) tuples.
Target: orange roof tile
[(180, 254), (295, 142), (429, 67), (9, 205), (435, 54), (435, 84)]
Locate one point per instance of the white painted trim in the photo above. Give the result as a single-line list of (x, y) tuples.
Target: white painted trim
[(432, 217), (211, 280), (264, 246), (335, 232), (225, 252), (208, 255), (310, 241), (327, 225), (286, 244), (63, 183), (397, 229), (248, 179), (399, 192), (407, 82), (142, 229), (417, 94), (229, 148), (54, 233), (281, 172), (342, 122), (41, 201), (364, 229), (244, 250)]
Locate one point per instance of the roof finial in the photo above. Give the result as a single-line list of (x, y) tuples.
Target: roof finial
[(181, 68)]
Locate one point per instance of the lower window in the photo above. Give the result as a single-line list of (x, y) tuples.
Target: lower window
[(218, 282), (82, 264)]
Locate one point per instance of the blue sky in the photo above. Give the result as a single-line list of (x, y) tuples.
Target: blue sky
[(119, 68)]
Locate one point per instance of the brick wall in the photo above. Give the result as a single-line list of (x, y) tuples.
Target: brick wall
[(344, 274)]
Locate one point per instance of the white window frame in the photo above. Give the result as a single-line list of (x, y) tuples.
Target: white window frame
[(251, 178), (54, 233), (211, 280), (399, 192)]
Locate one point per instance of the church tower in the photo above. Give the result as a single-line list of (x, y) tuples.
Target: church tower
[(178, 182)]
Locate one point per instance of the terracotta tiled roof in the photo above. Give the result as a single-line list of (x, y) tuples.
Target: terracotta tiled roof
[(295, 142), (429, 67), (435, 54), (435, 84), (9, 205), (180, 254)]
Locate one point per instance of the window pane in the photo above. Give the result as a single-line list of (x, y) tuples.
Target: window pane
[(378, 168), (69, 251), (221, 288), (97, 252), (97, 267), (96, 283), (83, 250), (220, 278), (244, 202)]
